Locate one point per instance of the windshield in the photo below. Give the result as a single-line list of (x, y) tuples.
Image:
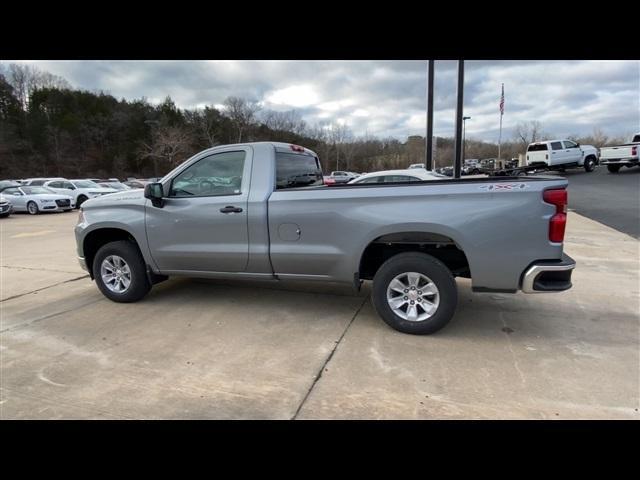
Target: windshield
[(85, 184), (36, 190)]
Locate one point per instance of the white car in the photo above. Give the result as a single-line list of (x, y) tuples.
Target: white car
[(79, 190), (561, 154), (6, 208), (390, 176), (34, 199), (416, 165)]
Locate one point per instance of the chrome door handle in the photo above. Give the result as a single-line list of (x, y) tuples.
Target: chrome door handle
[(231, 209)]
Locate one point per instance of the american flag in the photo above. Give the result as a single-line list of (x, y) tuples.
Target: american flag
[(502, 101)]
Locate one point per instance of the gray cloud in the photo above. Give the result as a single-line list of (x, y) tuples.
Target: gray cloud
[(387, 98)]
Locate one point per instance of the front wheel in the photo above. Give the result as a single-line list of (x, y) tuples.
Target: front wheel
[(32, 208), (415, 293), (613, 168), (120, 273), (80, 201), (589, 164)]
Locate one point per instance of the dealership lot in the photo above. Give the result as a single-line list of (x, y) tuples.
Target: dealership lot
[(203, 349)]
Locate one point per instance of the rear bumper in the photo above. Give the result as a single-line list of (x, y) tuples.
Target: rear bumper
[(548, 275), (620, 161)]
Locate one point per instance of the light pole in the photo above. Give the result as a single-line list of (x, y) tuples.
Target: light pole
[(464, 123)]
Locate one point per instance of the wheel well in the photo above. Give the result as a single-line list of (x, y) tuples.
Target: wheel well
[(97, 238), (443, 248)]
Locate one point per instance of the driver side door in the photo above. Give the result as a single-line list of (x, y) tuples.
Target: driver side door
[(202, 226)]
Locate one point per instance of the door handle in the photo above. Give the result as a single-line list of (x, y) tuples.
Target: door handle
[(230, 209)]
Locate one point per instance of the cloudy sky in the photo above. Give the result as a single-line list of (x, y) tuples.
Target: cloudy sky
[(387, 98)]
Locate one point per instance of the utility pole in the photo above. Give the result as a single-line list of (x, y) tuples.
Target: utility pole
[(429, 139), (464, 141), (457, 161)]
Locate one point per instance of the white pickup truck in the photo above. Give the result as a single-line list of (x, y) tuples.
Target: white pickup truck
[(561, 154), (621, 155)]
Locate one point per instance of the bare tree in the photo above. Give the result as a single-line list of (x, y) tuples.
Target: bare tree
[(289, 121), (25, 79), (169, 144), (206, 124), (242, 113), (528, 132)]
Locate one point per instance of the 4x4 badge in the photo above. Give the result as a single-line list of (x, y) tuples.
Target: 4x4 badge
[(504, 187)]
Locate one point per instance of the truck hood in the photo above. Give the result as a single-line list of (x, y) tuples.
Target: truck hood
[(124, 197)]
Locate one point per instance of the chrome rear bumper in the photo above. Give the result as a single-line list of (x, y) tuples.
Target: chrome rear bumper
[(548, 276)]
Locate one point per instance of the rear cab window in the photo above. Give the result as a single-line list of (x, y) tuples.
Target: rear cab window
[(297, 169), (537, 147)]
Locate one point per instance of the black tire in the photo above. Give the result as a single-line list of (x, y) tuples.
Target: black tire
[(32, 208), (613, 168), (81, 200), (589, 164), (475, 172), (426, 265), (5, 215), (129, 252)]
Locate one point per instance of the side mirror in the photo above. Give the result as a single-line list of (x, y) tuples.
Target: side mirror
[(153, 191)]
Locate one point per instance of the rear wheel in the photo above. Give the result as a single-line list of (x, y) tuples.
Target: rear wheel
[(613, 168), (589, 164), (120, 273), (415, 293), (32, 208)]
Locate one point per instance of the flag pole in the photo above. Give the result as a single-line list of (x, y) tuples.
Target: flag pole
[(501, 113)]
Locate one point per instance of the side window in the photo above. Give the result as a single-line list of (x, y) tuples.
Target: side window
[(37, 182), (556, 145), (11, 191), (569, 144), (67, 185), (295, 170), (217, 174)]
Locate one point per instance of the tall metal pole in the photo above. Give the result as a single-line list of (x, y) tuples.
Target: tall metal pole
[(457, 161), (429, 151), (501, 113), (464, 138)]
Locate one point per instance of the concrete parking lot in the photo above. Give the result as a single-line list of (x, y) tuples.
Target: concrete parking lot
[(225, 350)]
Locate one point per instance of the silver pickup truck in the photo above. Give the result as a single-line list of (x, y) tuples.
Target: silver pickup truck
[(261, 211)]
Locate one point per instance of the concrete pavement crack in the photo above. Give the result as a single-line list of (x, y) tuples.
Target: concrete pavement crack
[(327, 360), (43, 288)]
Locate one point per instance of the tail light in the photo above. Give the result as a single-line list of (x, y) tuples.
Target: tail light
[(634, 150), (329, 181), (558, 221), (297, 148), (546, 156)]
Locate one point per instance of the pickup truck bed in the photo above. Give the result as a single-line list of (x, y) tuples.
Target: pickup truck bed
[(504, 233)]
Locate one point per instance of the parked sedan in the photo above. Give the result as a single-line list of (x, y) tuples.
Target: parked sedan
[(392, 176), (343, 177), (135, 183), (115, 185), (6, 208), (37, 199)]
